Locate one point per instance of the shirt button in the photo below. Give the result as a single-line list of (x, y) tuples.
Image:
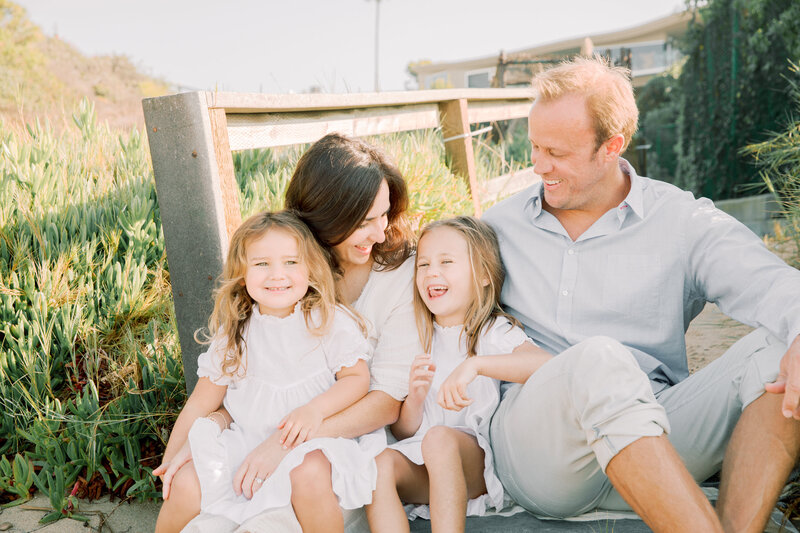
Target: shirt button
[(571, 251), (565, 292)]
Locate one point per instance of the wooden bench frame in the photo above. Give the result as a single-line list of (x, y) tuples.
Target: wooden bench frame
[(192, 136)]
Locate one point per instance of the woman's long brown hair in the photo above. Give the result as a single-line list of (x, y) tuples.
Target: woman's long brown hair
[(333, 188)]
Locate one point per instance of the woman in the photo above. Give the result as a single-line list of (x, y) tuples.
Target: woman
[(354, 200)]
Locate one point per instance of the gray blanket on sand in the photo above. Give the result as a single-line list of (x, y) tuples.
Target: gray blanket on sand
[(515, 520)]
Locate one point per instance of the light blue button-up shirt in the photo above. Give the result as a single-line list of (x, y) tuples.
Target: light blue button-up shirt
[(639, 274)]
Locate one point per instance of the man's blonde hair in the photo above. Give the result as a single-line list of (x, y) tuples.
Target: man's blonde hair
[(607, 89)]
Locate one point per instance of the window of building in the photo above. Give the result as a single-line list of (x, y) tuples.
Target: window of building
[(642, 58), (480, 79)]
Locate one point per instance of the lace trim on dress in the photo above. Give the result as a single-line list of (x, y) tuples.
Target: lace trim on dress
[(349, 362), (256, 314), (447, 328)]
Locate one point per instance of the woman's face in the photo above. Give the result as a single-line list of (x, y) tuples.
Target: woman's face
[(357, 248)]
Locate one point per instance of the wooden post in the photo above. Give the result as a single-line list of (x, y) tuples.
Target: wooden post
[(229, 189), (191, 182), (500, 74), (454, 120)]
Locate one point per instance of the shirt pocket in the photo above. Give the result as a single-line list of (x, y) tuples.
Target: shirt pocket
[(632, 285)]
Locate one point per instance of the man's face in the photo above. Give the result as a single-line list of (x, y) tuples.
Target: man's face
[(563, 153)]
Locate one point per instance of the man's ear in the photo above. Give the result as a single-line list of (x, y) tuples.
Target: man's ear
[(612, 148)]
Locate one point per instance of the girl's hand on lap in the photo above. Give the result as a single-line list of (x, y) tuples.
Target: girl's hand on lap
[(420, 376), (258, 466), (166, 470), (453, 392), (299, 425)]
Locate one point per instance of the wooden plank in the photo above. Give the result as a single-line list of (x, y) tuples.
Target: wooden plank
[(508, 184), (256, 102), (455, 126), (229, 189), (494, 111), (247, 131)]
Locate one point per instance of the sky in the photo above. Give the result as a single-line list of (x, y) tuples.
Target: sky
[(291, 45)]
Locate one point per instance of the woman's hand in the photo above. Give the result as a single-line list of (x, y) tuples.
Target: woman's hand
[(258, 466), (420, 377), (453, 392), (167, 469), (300, 425)]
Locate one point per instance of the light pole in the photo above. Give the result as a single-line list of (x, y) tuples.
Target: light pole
[(377, 33)]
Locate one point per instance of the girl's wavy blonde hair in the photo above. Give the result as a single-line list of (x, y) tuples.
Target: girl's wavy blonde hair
[(233, 305), (487, 281)]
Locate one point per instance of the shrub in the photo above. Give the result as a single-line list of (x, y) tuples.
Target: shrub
[(778, 159), (732, 90)]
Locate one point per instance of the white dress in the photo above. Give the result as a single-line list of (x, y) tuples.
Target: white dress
[(449, 349), (286, 367), (387, 303)]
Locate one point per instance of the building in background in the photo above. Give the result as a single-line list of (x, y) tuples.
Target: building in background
[(647, 49)]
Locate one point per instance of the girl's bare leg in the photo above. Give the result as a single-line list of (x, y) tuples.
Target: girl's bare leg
[(314, 502), (397, 478), (183, 503), (455, 468)]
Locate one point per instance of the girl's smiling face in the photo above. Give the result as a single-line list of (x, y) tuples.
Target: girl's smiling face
[(444, 275), (277, 276)]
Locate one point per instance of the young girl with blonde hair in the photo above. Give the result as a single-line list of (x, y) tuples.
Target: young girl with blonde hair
[(443, 458), (283, 357)]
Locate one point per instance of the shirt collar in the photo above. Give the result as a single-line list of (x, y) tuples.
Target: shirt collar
[(634, 200), (535, 199)]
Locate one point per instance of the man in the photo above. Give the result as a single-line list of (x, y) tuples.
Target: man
[(595, 250)]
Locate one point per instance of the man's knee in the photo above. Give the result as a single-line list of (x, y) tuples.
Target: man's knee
[(600, 351), (602, 365)]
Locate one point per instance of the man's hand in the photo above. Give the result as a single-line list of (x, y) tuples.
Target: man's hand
[(258, 466), (166, 470), (788, 382), (300, 425), (453, 392), (420, 377)]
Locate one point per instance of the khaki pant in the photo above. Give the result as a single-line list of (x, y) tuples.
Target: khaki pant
[(554, 435)]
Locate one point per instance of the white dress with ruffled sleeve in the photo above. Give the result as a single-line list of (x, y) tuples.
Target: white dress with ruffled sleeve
[(449, 349), (285, 367)]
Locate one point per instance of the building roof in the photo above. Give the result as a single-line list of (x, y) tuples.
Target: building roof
[(674, 24)]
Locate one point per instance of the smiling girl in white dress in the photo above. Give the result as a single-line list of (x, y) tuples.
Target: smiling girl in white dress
[(283, 357), (444, 458)]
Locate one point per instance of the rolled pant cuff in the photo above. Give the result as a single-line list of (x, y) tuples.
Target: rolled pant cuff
[(646, 424)]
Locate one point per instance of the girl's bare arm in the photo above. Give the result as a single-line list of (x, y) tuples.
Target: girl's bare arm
[(352, 383), (517, 367)]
